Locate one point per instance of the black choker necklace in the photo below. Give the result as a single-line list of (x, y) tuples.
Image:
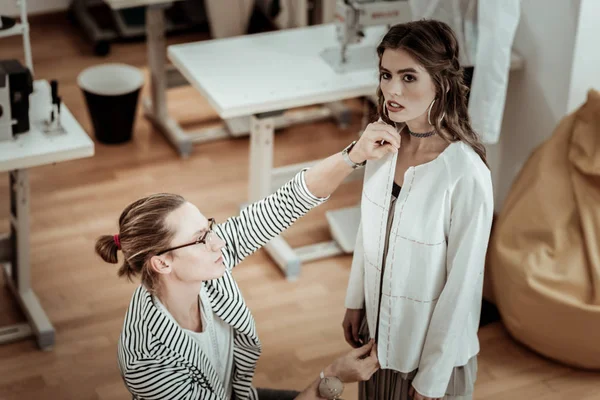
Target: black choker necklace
[(421, 135)]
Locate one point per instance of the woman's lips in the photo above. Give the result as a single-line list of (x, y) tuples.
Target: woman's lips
[(394, 107)]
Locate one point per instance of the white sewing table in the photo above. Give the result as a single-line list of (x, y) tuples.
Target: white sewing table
[(32, 149)]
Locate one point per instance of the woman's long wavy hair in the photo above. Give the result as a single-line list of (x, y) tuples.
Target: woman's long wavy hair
[(433, 45)]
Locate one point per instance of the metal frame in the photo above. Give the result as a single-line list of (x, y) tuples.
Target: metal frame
[(14, 256)]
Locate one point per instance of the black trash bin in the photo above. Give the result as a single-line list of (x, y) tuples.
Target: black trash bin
[(111, 93)]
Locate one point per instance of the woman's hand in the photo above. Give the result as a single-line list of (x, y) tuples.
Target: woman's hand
[(357, 365), (417, 396), (377, 140), (351, 325)]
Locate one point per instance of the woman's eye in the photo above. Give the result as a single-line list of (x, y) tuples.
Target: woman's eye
[(384, 75), (409, 78)]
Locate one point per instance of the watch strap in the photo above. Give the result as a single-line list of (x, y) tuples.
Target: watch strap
[(346, 157)]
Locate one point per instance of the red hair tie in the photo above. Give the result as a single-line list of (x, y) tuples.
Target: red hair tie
[(117, 241)]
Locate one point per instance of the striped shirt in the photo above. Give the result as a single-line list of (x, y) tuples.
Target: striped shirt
[(158, 360), (216, 339)]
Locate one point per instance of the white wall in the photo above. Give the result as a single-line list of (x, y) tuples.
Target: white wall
[(9, 7), (537, 95)]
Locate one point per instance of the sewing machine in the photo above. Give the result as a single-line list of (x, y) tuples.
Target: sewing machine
[(16, 85), (351, 18)]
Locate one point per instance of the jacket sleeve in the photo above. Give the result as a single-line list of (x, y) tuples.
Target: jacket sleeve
[(470, 224), (149, 379), (355, 294), (260, 222)]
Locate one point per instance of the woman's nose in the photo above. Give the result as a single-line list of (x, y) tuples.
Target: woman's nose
[(216, 243), (395, 88)]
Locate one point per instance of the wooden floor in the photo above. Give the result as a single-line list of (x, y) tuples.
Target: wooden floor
[(299, 323)]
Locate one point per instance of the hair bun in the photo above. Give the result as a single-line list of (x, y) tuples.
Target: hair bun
[(107, 248)]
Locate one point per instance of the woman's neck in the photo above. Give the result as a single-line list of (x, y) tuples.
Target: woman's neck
[(416, 145), (419, 125), (183, 303), (433, 143)]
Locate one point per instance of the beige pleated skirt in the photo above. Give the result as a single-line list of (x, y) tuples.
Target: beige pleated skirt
[(387, 384)]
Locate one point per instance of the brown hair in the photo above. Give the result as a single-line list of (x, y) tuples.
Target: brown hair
[(434, 45), (142, 234)]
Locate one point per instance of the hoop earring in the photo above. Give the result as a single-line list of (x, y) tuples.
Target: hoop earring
[(429, 112)]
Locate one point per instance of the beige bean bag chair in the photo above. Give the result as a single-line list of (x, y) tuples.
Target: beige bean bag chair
[(544, 256)]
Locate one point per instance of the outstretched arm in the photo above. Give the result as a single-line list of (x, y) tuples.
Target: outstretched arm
[(260, 222)]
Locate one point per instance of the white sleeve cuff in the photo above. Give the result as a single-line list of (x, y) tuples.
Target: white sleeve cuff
[(307, 193)]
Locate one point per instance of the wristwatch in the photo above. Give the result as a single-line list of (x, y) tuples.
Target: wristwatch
[(330, 387), (345, 155)]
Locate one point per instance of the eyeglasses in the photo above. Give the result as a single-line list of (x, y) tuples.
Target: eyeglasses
[(205, 238)]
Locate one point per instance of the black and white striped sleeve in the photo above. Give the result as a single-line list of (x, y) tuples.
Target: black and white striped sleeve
[(150, 379), (260, 222)]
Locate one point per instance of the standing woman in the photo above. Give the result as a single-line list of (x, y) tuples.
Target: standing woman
[(426, 216)]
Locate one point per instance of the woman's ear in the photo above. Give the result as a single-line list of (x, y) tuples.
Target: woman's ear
[(160, 265)]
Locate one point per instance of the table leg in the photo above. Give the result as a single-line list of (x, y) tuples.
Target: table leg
[(262, 136), (262, 132), (16, 268), (156, 109), (155, 31)]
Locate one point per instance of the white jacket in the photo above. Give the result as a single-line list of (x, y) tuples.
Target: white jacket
[(433, 276)]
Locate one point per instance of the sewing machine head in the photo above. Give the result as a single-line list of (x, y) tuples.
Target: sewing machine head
[(16, 85), (352, 16)]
